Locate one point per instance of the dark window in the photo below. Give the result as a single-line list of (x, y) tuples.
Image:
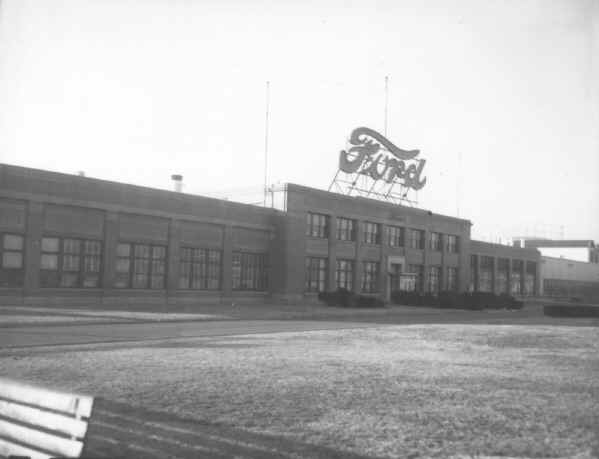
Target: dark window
[(316, 274), (140, 266), (516, 277), (416, 239), (70, 262), (435, 241), (11, 262), (370, 276), (250, 271), (345, 229), (317, 225), (452, 279), (344, 274), (485, 276), (372, 233), (502, 275), (200, 269), (473, 273), (396, 236), (452, 243), (419, 271), (434, 279), (530, 277)]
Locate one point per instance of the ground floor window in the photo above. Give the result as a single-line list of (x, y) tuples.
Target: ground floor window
[(140, 266), (530, 277), (11, 260), (502, 275), (316, 274), (344, 274), (485, 277), (250, 271), (370, 276), (434, 279), (452, 279), (516, 277), (473, 273), (200, 269), (418, 270), (70, 262)]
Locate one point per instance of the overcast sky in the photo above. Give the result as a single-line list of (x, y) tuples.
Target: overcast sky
[(134, 91)]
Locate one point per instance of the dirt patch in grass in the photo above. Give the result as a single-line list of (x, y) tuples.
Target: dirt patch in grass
[(433, 390)]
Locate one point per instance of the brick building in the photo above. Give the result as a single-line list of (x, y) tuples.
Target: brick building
[(72, 239)]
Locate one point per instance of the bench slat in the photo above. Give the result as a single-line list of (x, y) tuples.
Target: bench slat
[(60, 446), (8, 448), (77, 405), (67, 425)]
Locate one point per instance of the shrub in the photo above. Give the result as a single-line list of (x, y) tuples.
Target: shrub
[(346, 299), (571, 310)]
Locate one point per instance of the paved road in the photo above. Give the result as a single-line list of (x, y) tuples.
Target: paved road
[(19, 337)]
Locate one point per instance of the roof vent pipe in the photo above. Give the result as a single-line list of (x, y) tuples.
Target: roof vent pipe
[(178, 182)]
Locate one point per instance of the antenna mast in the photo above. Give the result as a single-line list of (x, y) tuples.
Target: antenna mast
[(386, 102), (266, 140)]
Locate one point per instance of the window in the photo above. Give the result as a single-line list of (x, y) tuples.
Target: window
[(419, 271), (372, 233), (502, 275), (200, 269), (70, 262), (250, 271), (485, 280), (140, 266), (452, 279), (452, 243), (396, 236), (435, 241), (344, 274), (11, 262), (416, 239), (529, 278), (316, 274), (317, 225), (345, 229), (434, 279), (473, 273), (370, 276), (516, 278)]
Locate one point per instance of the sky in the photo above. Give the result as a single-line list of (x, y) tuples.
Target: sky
[(501, 97)]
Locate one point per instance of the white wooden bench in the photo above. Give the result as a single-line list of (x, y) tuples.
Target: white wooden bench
[(41, 423)]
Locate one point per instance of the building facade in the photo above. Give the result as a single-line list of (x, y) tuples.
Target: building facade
[(70, 239)]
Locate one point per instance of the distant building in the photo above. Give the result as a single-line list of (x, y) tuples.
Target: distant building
[(576, 250)]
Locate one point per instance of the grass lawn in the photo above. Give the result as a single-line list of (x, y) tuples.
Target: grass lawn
[(392, 391)]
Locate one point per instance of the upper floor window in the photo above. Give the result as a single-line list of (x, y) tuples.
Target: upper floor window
[(317, 225), (435, 241), (452, 243), (140, 266), (396, 236), (11, 262), (416, 239), (200, 269), (372, 233), (69, 262), (346, 229), (250, 271)]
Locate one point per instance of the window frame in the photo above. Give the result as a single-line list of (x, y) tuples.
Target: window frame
[(346, 267), (396, 236), (317, 225), (349, 232), (12, 277), (253, 269), (453, 243), (371, 233), (84, 258), (316, 274), (134, 259), (435, 241), (200, 261), (370, 276), (416, 239)]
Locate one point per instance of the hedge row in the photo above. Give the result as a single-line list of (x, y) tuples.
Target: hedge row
[(571, 310), (346, 299), (476, 301)]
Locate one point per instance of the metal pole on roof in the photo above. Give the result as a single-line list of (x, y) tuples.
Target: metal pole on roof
[(266, 141)]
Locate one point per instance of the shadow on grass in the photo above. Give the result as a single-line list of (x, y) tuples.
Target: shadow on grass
[(118, 430)]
